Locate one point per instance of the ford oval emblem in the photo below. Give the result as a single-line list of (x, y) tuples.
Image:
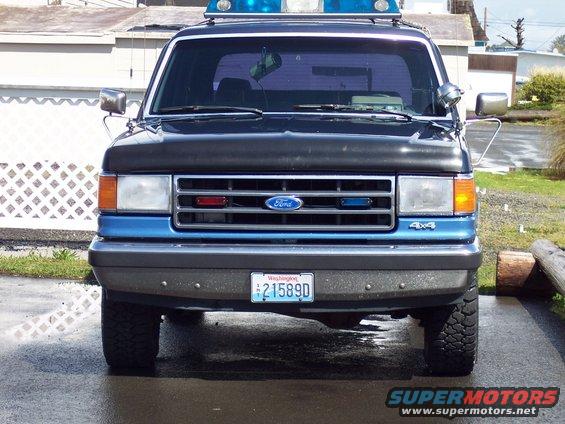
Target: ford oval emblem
[(284, 203)]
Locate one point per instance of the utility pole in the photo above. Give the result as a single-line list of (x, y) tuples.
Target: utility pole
[(520, 39), (485, 19)]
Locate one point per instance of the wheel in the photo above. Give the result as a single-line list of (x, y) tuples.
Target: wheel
[(130, 334), (181, 317), (451, 335)]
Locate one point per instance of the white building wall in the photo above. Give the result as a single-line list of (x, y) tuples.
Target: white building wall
[(24, 2), (79, 61), (100, 3), (488, 82), (528, 61), (456, 59)]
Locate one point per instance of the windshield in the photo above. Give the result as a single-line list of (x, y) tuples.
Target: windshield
[(288, 74)]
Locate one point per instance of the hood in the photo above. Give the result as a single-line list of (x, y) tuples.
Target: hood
[(286, 144)]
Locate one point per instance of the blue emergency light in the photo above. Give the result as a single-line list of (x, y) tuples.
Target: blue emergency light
[(371, 9)]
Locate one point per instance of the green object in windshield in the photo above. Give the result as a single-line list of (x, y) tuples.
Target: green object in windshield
[(268, 64), (392, 103)]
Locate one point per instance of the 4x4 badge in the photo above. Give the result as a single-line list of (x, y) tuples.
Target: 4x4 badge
[(423, 225)]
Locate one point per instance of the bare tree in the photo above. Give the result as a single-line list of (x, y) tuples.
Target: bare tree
[(520, 39)]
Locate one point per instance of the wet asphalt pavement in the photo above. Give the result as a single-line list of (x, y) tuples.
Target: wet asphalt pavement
[(519, 146), (244, 368)]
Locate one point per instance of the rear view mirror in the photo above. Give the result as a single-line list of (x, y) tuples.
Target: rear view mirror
[(268, 64), (113, 101), (491, 104)]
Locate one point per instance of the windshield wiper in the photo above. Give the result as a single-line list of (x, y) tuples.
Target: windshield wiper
[(208, 109), (353, 108)]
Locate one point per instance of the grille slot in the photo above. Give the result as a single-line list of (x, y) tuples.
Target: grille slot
[(322, 210)]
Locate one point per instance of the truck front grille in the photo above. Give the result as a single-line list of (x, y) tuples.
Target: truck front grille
[(322, 210)]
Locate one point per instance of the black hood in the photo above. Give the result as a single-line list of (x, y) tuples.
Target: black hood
[(286, 144)]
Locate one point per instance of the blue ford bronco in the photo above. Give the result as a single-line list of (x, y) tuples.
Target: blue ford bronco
[(306, 159)]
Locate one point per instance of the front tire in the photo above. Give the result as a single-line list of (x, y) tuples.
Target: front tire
[(130, 334), (451, 335)]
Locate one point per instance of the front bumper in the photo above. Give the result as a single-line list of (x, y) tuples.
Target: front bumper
[(368, 278)]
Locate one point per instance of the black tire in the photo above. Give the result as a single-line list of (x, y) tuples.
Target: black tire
[(130, 334), (180, 317), (451, 335)]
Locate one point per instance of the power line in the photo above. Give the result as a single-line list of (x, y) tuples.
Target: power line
[(530, 24), (499, 20), (549, 39), (503, 30)]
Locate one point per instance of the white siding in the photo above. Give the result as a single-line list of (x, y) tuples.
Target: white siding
[(24, 2), (527, 61), (489, 82), (456, 61), (100, 3)]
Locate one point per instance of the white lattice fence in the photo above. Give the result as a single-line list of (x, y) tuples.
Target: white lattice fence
[(48, 194), (50, 153)]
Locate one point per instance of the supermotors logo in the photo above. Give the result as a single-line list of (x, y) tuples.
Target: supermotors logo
[(451, 402)]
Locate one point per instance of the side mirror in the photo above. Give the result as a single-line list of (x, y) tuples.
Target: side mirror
[(448, 95), (113, 101), (491, 104)]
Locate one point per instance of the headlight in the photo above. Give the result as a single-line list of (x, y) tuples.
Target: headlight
[(135, 193), (442, 196), (147, 193)]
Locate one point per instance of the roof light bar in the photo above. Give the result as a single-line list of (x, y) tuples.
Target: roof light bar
[(319, 9)]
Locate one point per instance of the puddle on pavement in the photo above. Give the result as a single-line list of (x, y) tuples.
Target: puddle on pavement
[(85, 301)]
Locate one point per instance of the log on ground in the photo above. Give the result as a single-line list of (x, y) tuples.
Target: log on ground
[(551, 260), (517, 274)]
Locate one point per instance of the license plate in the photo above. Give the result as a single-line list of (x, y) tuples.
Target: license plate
[(282, 288)]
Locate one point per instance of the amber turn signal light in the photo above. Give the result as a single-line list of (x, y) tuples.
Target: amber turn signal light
[(107, 192), (464, 196)]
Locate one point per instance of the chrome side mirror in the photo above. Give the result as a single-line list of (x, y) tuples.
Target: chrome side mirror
[(491, 104), (113, 101), (448, 95)]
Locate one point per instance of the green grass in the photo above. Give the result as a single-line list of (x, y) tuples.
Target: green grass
[(559, 306), (534, 106), (34, 265), (64, 255), (487, 278), (534, 201), (522, 181)]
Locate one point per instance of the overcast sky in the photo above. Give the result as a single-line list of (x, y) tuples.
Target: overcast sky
[(545, 19)]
